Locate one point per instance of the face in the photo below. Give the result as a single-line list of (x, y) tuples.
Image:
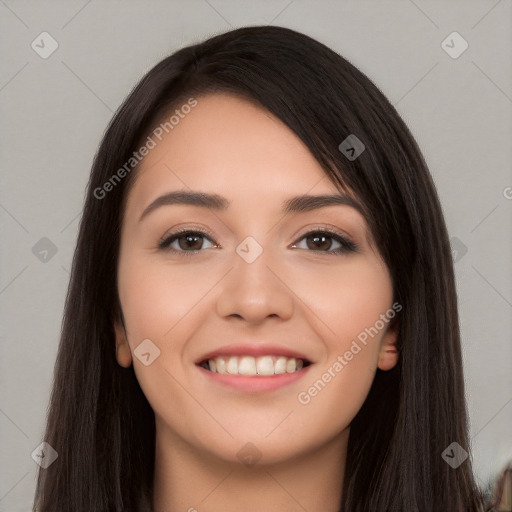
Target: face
[(253, 288)]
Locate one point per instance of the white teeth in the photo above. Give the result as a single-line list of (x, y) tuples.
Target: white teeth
[(265, 365), (247, 366), (232, 365), (251, 366), (290, 365), (220, 363), (280, 365)]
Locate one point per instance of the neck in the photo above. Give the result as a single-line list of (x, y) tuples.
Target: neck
[(189, 480)]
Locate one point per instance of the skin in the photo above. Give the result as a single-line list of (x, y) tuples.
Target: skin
[(303, 297)]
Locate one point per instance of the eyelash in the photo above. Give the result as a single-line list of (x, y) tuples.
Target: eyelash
[(346, 244)]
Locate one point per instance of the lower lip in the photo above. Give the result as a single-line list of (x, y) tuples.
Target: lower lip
[(257, 383)]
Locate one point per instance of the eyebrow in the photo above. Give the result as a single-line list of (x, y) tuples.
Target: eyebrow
[(216, 202)]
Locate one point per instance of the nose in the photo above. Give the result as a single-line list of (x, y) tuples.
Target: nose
[(254, 291)]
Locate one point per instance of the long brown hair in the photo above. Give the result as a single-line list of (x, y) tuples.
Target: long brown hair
[(99, 420)]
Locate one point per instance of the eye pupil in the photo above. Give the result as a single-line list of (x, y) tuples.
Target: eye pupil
[(321, 245), (191, 239)]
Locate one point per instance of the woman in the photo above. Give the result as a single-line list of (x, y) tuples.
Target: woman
[(262, 312)]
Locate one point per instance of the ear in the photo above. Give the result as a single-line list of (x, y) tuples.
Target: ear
[(123, 352), (388, 356)]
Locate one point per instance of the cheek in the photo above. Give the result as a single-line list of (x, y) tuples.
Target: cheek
[(154, 297), (158, 304), (350, 308), (331, 398), (347, 298)]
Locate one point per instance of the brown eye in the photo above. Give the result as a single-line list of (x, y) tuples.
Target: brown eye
[(191, 241), (319, 242), (322, 241), (184, 241)]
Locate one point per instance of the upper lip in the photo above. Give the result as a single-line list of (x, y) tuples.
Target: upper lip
[(253, 349)]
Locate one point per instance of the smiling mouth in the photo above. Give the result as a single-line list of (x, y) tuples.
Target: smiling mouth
[(249, 366)]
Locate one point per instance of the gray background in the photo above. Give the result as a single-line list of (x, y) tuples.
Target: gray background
[(54, 111)]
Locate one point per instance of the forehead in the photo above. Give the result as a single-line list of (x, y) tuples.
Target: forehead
[(228, 143)]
